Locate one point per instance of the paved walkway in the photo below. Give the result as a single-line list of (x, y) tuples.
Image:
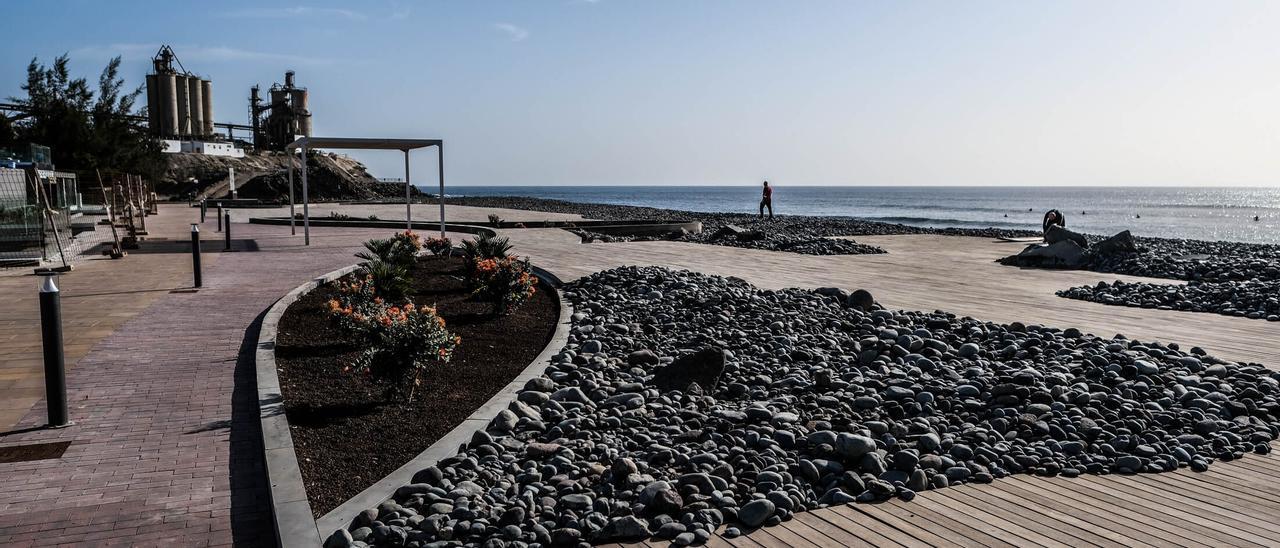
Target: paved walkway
[(98, 296), (165, 449), (165, 446)]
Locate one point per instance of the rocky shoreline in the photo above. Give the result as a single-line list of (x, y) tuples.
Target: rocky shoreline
[(685, 402), (792, 233)]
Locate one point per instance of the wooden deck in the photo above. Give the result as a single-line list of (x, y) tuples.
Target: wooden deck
[(1233, 504)]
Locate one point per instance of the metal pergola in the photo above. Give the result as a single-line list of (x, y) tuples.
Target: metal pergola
[(354, 143)]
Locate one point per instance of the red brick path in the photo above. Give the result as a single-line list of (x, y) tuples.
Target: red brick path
[(166, 446)]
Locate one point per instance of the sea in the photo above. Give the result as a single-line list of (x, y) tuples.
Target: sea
[(1171, 212)]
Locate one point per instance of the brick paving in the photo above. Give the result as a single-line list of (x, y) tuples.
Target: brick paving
[(166, 447)]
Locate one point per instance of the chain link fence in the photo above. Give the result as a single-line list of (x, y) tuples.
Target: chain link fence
[(46, 222)]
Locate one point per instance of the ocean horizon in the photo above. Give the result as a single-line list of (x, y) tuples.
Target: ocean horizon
[(1202, 213)]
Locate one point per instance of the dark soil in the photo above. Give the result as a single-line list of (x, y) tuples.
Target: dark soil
[(347, 432)]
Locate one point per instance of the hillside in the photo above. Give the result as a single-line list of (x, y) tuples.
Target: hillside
[(330, 176)]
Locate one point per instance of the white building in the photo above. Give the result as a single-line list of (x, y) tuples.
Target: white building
[(173, 146)]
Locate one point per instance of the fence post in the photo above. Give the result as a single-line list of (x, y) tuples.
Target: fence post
[(55, 376), (219, 217), (227, 232)]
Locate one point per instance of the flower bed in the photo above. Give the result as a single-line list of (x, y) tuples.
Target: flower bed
[(348, 430)]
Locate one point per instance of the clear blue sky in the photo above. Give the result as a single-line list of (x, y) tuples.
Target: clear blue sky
[(731, 92)]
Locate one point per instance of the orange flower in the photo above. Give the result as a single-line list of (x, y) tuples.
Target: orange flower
[(334, 305)]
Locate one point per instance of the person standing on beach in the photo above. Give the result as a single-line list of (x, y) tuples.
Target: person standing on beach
[(766, 200)]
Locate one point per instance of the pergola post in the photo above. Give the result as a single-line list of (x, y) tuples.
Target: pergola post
[(408, 214), (440, 155), (293, 228), (306, 213)]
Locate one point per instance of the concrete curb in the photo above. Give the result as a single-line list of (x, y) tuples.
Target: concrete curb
[(290, 509), (448, 445), (613, 228), (423, 226)]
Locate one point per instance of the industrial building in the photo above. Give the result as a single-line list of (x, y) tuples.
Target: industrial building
[(287, 116), (179, 103)]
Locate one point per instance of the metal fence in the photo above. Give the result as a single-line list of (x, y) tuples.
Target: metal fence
[(45, 220)]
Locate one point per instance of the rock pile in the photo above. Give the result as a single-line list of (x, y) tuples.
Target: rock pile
[(685, 402), (1231, 278), (1249, 299)]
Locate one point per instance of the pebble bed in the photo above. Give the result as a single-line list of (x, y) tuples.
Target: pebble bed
[(1229, 278), (793, 233), (1250, 299), (792, 400)]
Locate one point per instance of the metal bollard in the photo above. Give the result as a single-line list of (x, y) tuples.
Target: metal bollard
[(227, 232), (195, 253), (55, 375), (219, 217), (204, 208)]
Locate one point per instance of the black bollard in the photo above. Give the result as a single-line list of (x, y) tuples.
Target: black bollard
[(55, 376), (195, 253), (227, 232), (219, 217), (204, 208)]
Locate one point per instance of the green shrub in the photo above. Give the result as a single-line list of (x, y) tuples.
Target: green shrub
[(400, 341), (389, 280), (439, 246), (494, 219), (399, 250), (506, 283)]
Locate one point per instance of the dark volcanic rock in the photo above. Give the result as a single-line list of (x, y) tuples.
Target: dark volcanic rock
[(702, 368), (816, 403)]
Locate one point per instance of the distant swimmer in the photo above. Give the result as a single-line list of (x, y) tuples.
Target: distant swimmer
[(1255, 218), (1139, 216), (1006, 215), (1083, 213)]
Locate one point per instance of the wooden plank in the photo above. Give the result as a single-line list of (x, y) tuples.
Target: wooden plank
[(1052, 518), (1104, 516), (1196, 533), (890, 518), (1007, 531), (1209, 508), (848, 512), (1219, 491), (1187, 515), (1139, 530), (823, 535), (1023, 520), (868, 535), (782, 534), (964, 532)]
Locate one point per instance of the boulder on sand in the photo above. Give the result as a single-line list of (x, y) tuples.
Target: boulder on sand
[(1063, 254), (1119, 244), (702, 368), (737, 232), (1056, 233)]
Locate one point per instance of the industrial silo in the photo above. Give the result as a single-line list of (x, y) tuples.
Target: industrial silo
[(168, 104), (206, 89), (298, 100), (195, 94), (153, 104), (184, 105)]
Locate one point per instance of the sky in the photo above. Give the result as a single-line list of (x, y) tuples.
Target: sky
[(714, 92)]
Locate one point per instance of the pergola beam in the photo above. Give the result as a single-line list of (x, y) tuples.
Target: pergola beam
[(403, 145)]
